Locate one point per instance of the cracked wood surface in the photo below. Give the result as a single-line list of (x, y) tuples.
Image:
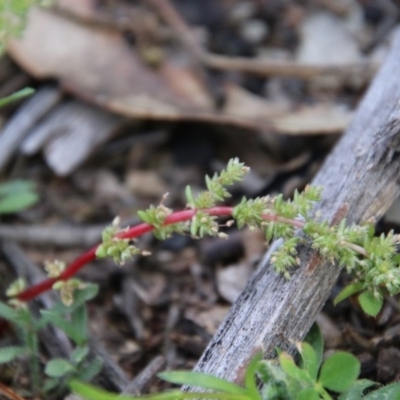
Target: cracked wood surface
[(361, 178)]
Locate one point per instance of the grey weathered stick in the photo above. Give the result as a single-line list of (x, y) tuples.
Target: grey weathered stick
[(361, 178), (55, 235), (28, 115), (143, 380)]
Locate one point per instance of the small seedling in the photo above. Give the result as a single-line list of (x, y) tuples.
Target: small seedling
[(281, 379), (71, 319)]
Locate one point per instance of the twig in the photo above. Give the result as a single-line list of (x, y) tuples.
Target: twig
[(253, 66), (290, 69), (143, 380), (58, 235), (182, 31), (9, 393)]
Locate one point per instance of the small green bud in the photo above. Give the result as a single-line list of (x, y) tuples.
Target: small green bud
[(189, 197), (67, 289), (54, 268), (16, 287)]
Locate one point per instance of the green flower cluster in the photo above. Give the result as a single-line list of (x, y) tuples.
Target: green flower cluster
[(66, 287), (278, 218), (373, 261), (120, 250), (156, 216), (202, 223), (379, 270), (234, 172)]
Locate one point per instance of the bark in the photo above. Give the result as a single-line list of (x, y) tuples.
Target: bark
[(361, 180)]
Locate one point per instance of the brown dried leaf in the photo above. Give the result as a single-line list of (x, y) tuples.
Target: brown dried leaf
[(99, 63), (146, 183), (96, 63), (208, 319), (314, 120), (232, 280)]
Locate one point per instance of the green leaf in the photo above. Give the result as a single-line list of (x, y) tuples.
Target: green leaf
[(8, 313), (17, 202), (58, 367), (189, 197), (275, 390), (16, 186), (356, 390), (209, 183), (17, 195), (202, 380), (81, 296), (308, 394), (65, 325), (292, 370), (310, 360), (144, 217), (16, 96), (315, 339), (90, 392), (389, 392), (269, 372), (20, 317), (250, 377), (348, 291), (84, 295), (79, 323), (40, 323), (370, 304), (93, 369), (50, 384), (78, 355), (8, 353), (396, 259), (194, 225), (339, 371)]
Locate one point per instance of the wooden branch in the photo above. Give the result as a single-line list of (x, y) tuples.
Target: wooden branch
[(361, 71), (361, 178), (53, 235)]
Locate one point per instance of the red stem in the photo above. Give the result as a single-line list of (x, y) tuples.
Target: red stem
[(132, 233)]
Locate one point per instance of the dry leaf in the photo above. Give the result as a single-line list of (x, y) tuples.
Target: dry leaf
[(232, 280), (208, 319), (97, 64), (314, 120), (100, 64)]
